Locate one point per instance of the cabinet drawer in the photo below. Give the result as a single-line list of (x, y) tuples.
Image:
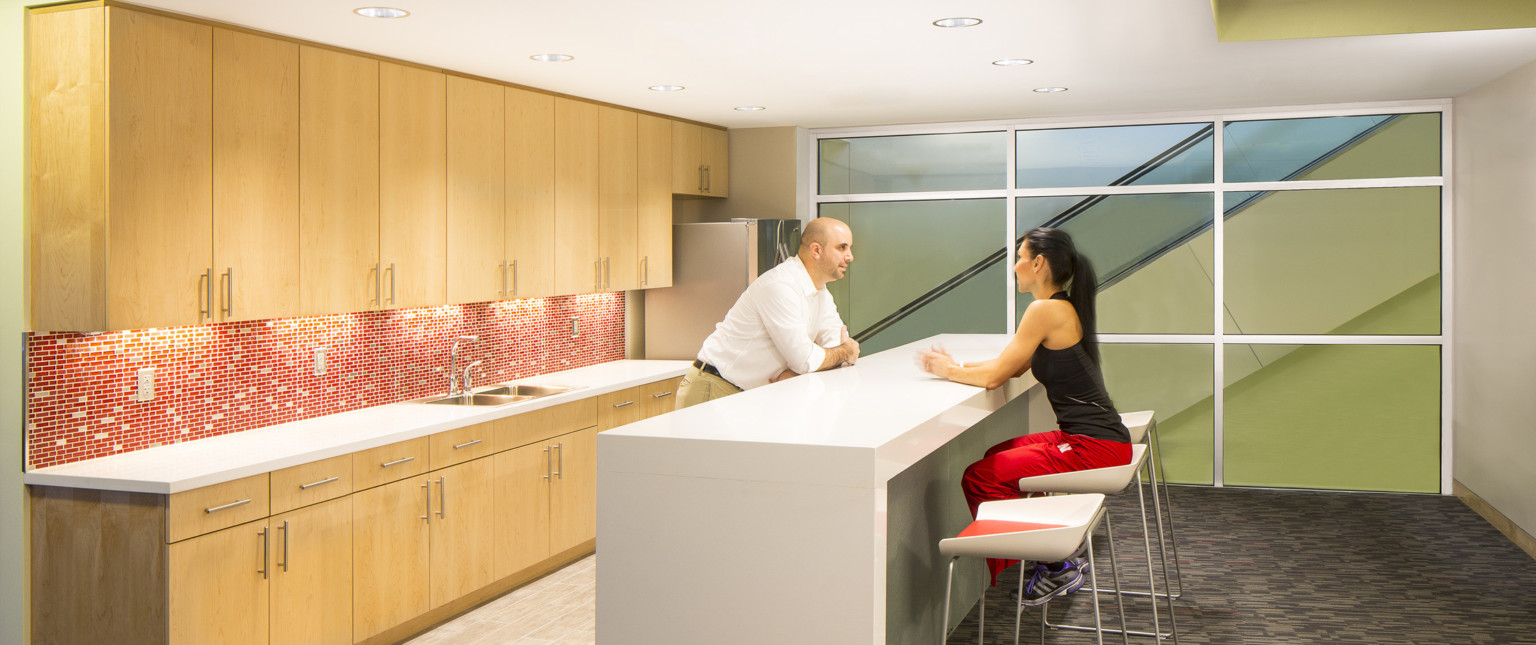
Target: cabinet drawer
[(385, 464), (311, 483), (618, 408), (538, 425), (220, 506), (462, 444), (659, 397)]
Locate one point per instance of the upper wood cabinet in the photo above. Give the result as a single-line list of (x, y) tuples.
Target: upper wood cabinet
[(413, 176), (700, 160), (577, 265), (477, 196), (255, 176), (338, 182), (530, 189), (618, 198), (654, 218)]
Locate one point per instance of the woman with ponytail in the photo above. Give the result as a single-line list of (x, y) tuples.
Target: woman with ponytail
[(1056, 338)]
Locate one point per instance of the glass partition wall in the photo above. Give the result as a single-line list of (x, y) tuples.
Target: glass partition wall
[(1272, 285)]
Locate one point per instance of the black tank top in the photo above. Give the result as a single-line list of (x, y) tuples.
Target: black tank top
[(1075, 387)]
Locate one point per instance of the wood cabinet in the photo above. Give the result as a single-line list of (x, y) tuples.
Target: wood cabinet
[(255, 176), (477, 195), (338, 182), (700, 160), (310, 577), (659, 397), (521, 518), (530, 141), (461, 557), (653, 235), (618, 408), (577, 262), (618, 198), (390, 540), (573, 490), (413, 176), (218, 586)]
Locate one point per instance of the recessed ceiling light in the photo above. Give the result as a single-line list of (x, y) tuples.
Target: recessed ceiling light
[(551, 58), (666, 88), (381, 12), (751, 108), (1050, 90), (1010, 62), (957, 22)]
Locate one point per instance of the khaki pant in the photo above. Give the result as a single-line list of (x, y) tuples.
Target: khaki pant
[(698, 387)]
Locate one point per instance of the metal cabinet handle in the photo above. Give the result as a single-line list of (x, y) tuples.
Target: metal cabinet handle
[(549, 468), (392, 283), (396, 462), (512, 291), (428, 487), (442, 496), (229, 505), (663, 394), (606, 275), (645, 270), (284, 563), (266, 552), (560, 460), (467, 444), (620, 405), (313, 484), (708, 180), (502, 270), (205, 288), (701, 178), (597, 275), (229, 292), (377, 285)]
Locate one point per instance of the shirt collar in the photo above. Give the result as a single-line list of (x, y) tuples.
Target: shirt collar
[(802, 278)]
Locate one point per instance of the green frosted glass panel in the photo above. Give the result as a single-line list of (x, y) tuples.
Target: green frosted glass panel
[(1177, 153), (1346, 417), (1347, 261), (1342, 147), (1175, 382), (913, 163), (1153, 255), (922, 268)]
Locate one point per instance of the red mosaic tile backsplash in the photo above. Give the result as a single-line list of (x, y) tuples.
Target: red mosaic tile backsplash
[(220, 378)]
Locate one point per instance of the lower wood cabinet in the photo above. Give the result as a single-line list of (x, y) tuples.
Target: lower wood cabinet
[(389, 555), (573, 490), (310, 575), (461, 556), (546, 499), (219, 586)]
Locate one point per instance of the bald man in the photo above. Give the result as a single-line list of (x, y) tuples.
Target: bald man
[(783, 325)]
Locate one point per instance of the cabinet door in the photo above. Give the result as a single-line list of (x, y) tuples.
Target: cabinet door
[(573, 490), (338, 182), (521, 516), (413, 192), (389, 555), (218, 586), (618, 199), (715, 152), (654, 219), (462, 555), (160, 171), (576, 187), (312, 575), (659, 397), (530, 193), (477, 205), (687, 162), (255, 176)]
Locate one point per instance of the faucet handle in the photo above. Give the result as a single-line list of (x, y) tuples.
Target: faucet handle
[(467, 382)]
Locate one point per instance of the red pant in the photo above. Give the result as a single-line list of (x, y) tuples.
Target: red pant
[(996, 476)]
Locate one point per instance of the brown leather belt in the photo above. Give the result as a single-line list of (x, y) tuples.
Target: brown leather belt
[(710, 369)]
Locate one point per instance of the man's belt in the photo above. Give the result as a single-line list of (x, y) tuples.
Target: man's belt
[(706, 368)]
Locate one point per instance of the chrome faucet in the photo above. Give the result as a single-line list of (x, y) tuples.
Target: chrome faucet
[(453, 366), (466, 382)]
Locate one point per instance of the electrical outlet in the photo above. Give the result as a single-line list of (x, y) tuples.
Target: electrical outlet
[(146, 384), (320, 361), (575, 326)]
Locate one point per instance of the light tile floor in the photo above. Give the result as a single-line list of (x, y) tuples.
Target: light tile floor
[(558, 609)]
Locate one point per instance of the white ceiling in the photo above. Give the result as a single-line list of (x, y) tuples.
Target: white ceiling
[(820, 63)]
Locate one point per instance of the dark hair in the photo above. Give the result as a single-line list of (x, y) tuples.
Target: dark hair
[(1072, 270)]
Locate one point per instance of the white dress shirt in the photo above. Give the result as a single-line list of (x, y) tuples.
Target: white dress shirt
[(782, 321)]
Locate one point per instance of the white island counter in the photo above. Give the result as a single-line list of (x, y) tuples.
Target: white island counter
[(806, 511)]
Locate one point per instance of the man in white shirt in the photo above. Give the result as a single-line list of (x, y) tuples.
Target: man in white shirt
[(783, 325)]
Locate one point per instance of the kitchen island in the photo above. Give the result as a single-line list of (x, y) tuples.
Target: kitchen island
[(806, 511)]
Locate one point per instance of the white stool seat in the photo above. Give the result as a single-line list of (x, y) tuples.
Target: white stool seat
[(1040, 528), (1137, 423), (1111, 479)]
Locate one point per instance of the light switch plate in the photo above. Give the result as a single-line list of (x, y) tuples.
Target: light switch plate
[(146, 388), (575, 326), (320, 361)]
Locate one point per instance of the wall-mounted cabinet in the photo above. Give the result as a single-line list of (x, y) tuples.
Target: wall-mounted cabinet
[(578, 265), (700, 160), (654, 200), (413, 177), (530, 140), (477, 195), (618, 198)]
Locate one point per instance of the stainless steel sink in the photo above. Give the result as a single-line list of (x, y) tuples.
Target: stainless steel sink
[(498, 395), (476, 399), (531, 391)]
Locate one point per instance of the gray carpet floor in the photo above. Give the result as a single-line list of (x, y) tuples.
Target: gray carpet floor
[(1273, 566)]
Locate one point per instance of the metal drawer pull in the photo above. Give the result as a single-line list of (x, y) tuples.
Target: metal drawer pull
[(396, 462), (657, 396), (467, 444), (229, 505), (284, 563), (620, 405), (313, 484), (266, 552)]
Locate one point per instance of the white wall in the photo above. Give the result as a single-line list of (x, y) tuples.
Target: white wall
[(1495, 295), (13, 516)]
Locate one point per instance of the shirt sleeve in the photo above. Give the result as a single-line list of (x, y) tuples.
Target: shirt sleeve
[(829, 328), (783, 313)]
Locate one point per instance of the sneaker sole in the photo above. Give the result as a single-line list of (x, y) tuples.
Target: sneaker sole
[(1071, 586)]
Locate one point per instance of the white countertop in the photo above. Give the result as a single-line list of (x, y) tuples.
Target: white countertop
[(194, 464)]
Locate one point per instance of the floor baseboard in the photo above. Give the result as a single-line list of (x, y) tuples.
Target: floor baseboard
[(1497, 519)]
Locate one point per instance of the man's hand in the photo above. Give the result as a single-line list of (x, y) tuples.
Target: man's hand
[(786, 374), (849, 345)]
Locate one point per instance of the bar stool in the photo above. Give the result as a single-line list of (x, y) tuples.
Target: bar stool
[(1041, 528), (1143, 426), (1111, 479)]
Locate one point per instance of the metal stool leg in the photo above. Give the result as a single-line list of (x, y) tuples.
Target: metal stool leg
[(1159, 475), (948, 586)]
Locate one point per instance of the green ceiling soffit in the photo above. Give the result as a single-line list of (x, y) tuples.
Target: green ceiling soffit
[(1240, 20)]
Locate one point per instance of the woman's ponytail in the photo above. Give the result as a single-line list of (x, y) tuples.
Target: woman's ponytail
[(1073, 272)]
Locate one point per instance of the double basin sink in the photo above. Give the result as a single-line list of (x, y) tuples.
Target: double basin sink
[(499, 395)]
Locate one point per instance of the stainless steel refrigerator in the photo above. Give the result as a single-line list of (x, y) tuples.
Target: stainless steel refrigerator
[(712, 264)]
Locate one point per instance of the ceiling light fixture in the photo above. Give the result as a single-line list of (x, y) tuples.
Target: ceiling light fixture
[(551, 58), (751, 108), (1050, 90), (666, 88), (1011, 62), (957, 22), (381, 12)]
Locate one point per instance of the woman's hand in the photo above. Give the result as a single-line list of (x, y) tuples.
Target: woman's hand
[(935, 360)]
